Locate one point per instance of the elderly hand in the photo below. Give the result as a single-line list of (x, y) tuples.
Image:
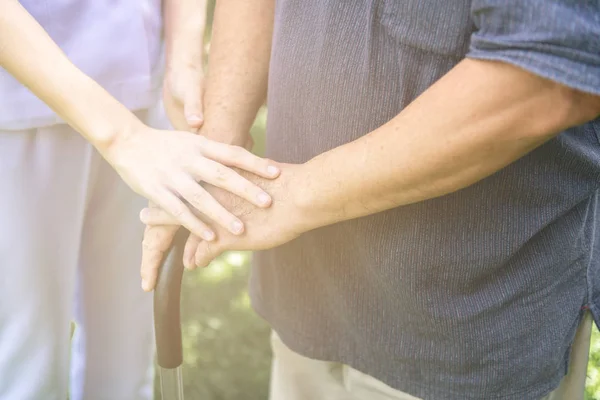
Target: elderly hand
[(265, 228)]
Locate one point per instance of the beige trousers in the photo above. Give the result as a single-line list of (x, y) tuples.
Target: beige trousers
[(295, 377)]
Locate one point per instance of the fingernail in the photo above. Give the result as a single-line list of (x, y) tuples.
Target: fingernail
[(272, 170), (195, 118), (208, 235), (264, 198), (144, 286), (237, 227)]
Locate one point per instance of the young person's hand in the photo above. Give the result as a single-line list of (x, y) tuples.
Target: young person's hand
[(166, 166)]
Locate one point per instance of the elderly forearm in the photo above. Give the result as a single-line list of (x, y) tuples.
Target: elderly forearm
[(30, 55), (476, 120), (238, 68)]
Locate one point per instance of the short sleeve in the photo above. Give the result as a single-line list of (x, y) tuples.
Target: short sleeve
[(555, 39)]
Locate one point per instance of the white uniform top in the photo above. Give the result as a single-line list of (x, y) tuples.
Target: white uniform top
[(118, 43)]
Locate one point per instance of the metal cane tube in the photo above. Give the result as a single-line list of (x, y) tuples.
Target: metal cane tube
[(171, 383), (167, 320)]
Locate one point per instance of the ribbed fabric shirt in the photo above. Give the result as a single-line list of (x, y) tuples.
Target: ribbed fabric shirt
[(473, 295)]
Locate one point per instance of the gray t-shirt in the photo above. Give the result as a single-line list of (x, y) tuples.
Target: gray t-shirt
[(474, 295)]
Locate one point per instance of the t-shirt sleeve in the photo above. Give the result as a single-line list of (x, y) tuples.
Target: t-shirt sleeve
[(555, 39)]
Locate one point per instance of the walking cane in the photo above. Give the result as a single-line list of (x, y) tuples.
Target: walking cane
[(167, 321)]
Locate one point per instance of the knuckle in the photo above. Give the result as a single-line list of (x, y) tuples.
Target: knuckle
[(220, 173), (178, 211), (199, 198)]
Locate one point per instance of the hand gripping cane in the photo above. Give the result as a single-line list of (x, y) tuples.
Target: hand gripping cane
[(167, 321)]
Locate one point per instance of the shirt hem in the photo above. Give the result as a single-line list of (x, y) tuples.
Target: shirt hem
[(413, 388)]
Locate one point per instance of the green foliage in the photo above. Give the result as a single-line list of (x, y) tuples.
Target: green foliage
[(593, 381), (227, 354)]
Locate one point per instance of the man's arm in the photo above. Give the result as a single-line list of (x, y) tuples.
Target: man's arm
[(477, 119), (539, 74), (238, 67), (236, 88)]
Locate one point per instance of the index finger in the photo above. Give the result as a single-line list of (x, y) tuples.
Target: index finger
[(236, 156)]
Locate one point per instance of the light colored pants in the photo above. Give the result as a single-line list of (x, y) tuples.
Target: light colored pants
[(70, 249), (295, 377)]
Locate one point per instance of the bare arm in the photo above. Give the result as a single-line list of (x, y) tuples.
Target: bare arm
[(30, 55), (238, 68), (236, 88), (164, 167), (477, 119)]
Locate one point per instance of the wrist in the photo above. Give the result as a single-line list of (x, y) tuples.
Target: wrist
[(309, 209), (100, 118), (112, 137)]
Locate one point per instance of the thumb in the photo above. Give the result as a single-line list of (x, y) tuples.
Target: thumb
[(192, 106)]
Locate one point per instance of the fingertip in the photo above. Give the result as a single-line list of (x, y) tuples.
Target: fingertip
[(264, 200), (143, 214), (273, 171), (195, 120), (237, 227), (146, 286), (208, 235)]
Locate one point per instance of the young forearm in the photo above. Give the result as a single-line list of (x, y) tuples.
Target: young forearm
[(476, 120), (238, 68), (30, 55), (185, 22)]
